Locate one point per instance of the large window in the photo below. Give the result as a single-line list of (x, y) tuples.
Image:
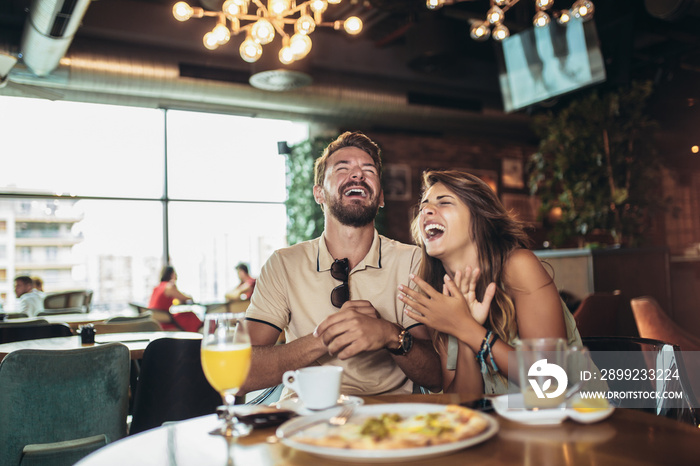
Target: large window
[(98, 196)]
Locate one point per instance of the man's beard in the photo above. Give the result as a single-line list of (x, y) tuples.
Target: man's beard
[(353, 215)]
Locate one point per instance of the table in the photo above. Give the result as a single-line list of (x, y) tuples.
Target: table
[(135, 341), (628, 437)]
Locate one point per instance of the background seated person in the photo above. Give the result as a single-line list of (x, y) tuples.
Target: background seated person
[(29, 300), (163, 296), (39, 286), (245, 289)]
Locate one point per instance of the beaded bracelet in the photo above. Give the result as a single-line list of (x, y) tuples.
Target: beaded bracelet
[(493, 361), (483, 349), (486, 348)]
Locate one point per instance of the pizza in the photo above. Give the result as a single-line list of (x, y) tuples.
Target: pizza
[(390, 431)]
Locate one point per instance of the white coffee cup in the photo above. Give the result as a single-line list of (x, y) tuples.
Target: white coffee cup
[(318, 387)]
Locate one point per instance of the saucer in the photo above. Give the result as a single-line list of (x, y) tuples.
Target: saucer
[(543, 416), (295, 404), (525, 416)]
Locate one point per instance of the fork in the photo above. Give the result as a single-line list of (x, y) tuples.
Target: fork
[(336, 421)]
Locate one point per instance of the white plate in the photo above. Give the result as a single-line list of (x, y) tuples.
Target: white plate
[(508, 406), (295, 404), (383, 456)]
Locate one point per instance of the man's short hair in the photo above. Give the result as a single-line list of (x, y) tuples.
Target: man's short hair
[(243, 267), (24, 279), (347, 139)]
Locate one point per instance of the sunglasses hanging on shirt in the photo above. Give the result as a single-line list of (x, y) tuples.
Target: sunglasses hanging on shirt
[(340, 270)]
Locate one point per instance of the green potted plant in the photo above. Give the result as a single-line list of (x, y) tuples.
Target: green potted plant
[(304, 216), (596, 170)]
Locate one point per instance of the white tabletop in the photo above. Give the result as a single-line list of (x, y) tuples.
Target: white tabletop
[(185, 443)]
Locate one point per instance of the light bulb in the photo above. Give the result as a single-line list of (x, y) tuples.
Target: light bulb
[(210, 41), (305, 25), (480, 31), (353, 25), (263, 31), (500, 32), (434, 4), (231, 8), (501, 2), (277, 7), (564, 17), (182, 11), (286, 55), (582, 9), (250, 50), (494, 15), (300, 45), (221, 33), (318, 6), (334, 2), (541, 19), (543, 4)]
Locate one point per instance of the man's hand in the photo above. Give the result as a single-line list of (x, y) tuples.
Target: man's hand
[(354, 329)]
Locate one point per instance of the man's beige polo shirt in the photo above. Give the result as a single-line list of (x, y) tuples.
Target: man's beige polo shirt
[(293, 294)]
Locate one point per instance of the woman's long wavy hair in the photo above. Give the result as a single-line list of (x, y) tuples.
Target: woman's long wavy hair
[(495, 233)]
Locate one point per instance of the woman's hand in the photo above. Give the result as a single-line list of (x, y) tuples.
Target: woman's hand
[(445, 312), (466, 283)]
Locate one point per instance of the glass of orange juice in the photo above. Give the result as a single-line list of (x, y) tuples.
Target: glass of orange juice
[(226, 361)]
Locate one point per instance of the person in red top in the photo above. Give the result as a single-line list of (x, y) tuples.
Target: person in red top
[(163, 296), (166, 291), (243, 291)]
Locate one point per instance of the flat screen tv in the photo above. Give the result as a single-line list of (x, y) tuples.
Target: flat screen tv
[(540, 63)]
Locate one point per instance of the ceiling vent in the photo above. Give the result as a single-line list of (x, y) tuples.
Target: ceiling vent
[(280, 80), (49, 31), (269, 74)]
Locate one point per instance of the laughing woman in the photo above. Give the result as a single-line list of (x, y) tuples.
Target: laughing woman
[(482, 289)]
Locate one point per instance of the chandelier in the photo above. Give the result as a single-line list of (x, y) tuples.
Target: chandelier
[(493, 25), (261, 22)]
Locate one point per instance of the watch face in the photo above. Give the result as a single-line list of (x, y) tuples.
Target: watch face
[(407, 342)]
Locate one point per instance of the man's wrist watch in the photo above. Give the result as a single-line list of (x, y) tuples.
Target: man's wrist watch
[(405, 343)]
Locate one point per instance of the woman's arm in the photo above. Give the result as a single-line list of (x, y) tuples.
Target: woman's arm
[(538, 310), (235, 294), (171, 291)]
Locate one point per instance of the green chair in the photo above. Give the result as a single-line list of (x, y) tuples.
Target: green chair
[(146, 315), (16, 331), (60, 405), (58, 312), (145, 325), (24, 323), (14, 315)]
